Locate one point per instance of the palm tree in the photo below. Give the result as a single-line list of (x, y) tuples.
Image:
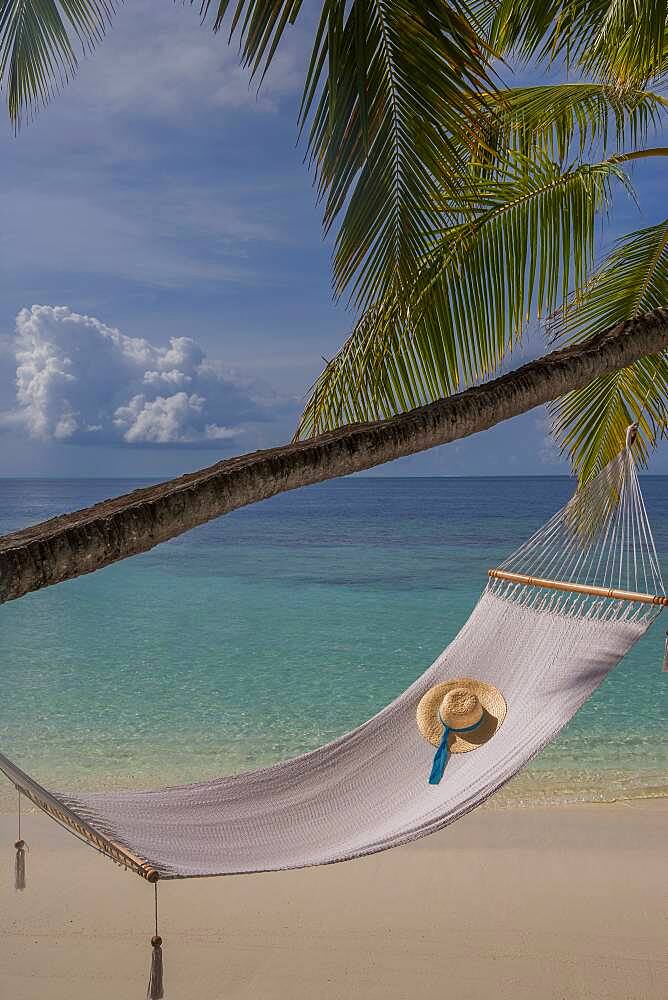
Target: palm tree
[(466, 209), (508, 234)]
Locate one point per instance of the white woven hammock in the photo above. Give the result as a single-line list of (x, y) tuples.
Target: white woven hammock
[(554, 619)]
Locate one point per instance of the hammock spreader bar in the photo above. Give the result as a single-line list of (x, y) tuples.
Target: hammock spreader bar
[(59, 812), (579, 588)]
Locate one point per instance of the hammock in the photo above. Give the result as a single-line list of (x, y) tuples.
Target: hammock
[(554, 619)]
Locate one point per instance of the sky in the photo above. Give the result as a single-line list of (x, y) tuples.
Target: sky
[(165, 296)]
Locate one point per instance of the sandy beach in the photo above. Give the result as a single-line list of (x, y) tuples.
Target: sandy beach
[(516, 903)]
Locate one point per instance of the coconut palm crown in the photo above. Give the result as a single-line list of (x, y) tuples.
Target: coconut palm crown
[(465, 207)]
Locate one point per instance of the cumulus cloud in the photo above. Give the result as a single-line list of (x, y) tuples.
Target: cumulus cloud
[(80, 381)]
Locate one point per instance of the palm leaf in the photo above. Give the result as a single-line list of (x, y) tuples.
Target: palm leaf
[(623, 41), (590, 424), (568, 118), (392, 99), (260, 26), (631, 42), (531, 237), (36, 49)]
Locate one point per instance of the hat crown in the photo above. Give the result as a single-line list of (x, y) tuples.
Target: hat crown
[(460, 708)]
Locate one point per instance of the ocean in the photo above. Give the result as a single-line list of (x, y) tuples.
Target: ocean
[(280, 626)]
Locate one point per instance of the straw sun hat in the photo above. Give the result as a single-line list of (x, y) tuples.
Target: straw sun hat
[(458, 716)]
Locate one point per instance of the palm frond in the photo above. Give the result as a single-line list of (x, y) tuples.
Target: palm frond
[(623, 41), (568, 119), (590, 424), (631, 43), (37, 54), (391, 97), (260, 26), (531, 238)]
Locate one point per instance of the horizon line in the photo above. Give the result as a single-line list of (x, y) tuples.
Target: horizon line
[(352, 476)]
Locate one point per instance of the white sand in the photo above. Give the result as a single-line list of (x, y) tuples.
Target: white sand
[(542, 904)]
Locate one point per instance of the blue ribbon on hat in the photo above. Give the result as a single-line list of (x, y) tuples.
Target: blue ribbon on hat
[(441, 755)]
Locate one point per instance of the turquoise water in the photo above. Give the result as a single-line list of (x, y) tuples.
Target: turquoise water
[(280, 626)]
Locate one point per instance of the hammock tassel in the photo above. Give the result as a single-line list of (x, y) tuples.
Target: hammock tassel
[(665, 655), (21, 850), (155, 990), (20, 865)]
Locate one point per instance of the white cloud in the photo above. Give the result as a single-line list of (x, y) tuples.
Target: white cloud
[(162, 61), (168, 419), (80, 381)]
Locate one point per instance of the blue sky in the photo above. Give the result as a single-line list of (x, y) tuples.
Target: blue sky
[(160, 213)]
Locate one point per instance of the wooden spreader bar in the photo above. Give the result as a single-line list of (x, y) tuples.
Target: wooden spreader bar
[(579, 588), (45, 801)]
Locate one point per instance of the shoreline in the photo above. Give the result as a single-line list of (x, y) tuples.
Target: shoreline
[(521, 904), (534, 787), (495, 804)]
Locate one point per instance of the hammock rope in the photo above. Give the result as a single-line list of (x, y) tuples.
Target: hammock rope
[(596, 557)]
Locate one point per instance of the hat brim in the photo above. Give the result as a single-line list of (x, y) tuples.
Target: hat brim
[(494, 712)]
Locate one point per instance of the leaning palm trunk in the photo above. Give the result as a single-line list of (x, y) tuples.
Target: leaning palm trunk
[(78, 543)]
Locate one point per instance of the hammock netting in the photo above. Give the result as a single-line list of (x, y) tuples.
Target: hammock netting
[(546, 644)]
